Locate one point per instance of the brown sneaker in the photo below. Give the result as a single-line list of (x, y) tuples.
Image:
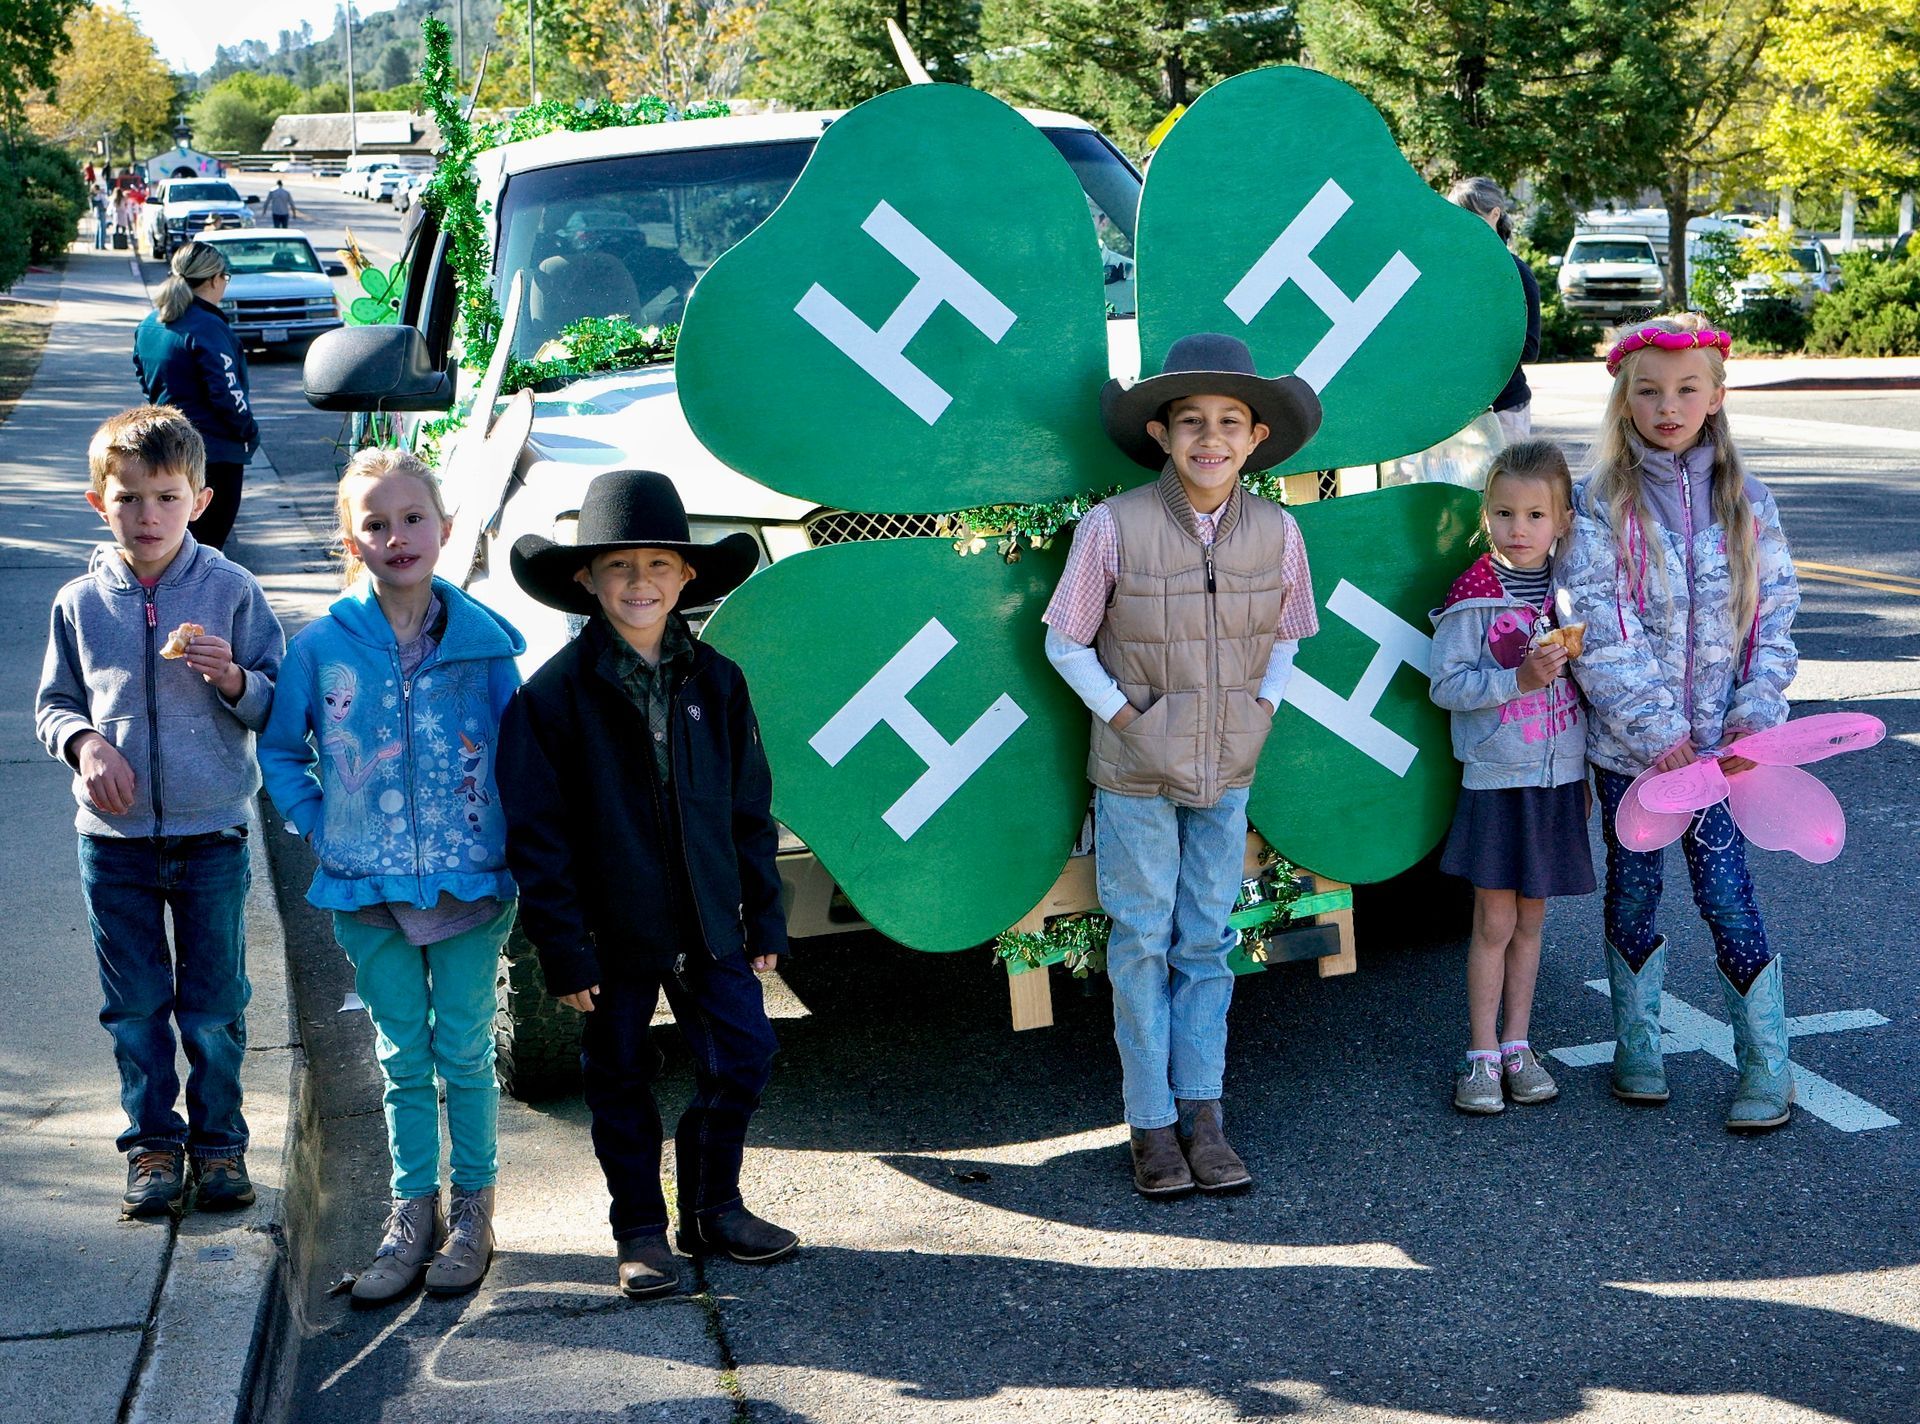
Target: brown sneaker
[(1159, 1167), (1216, 1166), (156, 1183)]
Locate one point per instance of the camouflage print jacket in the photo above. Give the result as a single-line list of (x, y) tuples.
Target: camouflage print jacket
[(1665, 660)]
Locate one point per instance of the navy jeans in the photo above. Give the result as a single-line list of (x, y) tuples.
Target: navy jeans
[(723, 1018), (131, 885), (1716, 856)]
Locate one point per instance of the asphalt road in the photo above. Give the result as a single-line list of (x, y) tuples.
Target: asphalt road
[(974, 1252)]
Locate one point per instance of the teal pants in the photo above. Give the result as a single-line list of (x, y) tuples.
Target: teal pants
[(432, 1012)]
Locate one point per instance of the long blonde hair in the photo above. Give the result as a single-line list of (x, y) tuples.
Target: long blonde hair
[(375, 463), (1618, 479), (193, 264)]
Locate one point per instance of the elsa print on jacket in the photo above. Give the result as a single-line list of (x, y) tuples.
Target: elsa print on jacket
[(350, 815)]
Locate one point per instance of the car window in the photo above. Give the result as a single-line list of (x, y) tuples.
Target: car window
[(1615, 251), (639, 230), (1808, 258), (201, 193), (255, 255)]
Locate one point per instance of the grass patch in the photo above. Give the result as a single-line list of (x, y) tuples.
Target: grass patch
[(23, 337)]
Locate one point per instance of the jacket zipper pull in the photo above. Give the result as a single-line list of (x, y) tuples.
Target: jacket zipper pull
[(153, 616), (1209, 568)]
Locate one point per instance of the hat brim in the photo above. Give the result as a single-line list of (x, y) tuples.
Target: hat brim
[(1286, 405), (545, 569)]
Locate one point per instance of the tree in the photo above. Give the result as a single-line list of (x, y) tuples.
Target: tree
[(832, 54), (1845, 70), (1123, 64), (682, 50), (33, 37), (110, 81), (44, 195), (237, 113), (395, 66), (557, 24)]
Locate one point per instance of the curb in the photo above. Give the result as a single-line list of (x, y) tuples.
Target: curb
[(1833, 383), (220, 1340)]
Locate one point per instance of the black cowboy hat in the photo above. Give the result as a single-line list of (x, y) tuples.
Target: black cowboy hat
[(1209, 364), (629, 509)]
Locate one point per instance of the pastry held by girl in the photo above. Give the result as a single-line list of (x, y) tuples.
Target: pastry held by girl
[(1685, 581), (1500, 657), (366, 755)]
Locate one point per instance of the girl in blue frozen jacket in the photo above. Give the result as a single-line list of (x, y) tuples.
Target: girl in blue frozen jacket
[(380, 751)]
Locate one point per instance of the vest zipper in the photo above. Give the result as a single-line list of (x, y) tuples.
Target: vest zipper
[(153, 713), (1210, 788)]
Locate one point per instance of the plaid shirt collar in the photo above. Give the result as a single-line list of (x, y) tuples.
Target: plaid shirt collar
[(621, 664)]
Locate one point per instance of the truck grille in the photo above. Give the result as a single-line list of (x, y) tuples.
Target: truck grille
[(1621, 289), (839, 526), (278, 309)]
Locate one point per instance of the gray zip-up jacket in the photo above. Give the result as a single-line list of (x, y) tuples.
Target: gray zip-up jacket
[(1502, 736), (191, 750)]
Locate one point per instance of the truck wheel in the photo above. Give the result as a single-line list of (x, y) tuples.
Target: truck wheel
[(1419, 906), (536, 1039)]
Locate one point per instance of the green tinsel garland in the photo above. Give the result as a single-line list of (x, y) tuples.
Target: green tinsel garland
[(591, 344)]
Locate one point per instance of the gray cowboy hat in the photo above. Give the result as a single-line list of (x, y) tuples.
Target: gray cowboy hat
[(629, 509), (1209, 364)]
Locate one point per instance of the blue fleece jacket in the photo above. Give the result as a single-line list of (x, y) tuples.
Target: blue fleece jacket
[(392, 778), (190, 749)]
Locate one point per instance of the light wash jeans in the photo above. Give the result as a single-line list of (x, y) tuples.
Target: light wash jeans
[(1168, 876), (432, 1009)]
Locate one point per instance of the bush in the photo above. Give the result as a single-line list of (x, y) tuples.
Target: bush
[(1876, 312), (44, 186), (1771, 324), (1563, 336)]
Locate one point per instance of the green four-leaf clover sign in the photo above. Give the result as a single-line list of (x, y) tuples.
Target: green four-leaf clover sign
[(920, 326)]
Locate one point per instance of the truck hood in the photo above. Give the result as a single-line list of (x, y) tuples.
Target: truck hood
[(265, 286), (1613, 271), (632, 419)]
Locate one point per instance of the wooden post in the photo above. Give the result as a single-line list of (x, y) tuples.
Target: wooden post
[(1346, 961)]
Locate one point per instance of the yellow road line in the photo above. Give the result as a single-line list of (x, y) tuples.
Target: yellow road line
[(1807, 575), (1806, 564)]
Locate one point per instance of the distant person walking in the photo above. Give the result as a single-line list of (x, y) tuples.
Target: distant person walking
[(123, 216), (187, 356), (280, 204), (1514, 404), (99, 199)]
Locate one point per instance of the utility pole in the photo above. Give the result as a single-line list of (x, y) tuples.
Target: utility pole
[(460, 35), (353, 124), (533, 78)]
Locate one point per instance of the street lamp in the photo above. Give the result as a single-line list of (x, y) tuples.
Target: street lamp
[(353, 125)]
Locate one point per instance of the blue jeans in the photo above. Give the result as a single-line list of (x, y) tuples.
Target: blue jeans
[(200, 983), (1168, 876), (1716, 856), (432, 1010)]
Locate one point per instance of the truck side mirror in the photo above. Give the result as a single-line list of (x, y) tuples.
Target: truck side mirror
[(374, 368), (335, 269), (1555, 261)]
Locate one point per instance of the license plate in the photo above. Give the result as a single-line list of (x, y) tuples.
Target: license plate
[(274, 333)]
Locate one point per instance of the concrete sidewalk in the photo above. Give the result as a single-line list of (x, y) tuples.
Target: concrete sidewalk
[(105, 1319)]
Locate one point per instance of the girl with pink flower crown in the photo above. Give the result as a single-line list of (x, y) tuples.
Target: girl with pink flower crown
[(1679, 567)]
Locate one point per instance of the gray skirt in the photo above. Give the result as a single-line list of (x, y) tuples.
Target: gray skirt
[(1529, 839)]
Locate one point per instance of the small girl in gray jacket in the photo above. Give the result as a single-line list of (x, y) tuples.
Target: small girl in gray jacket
[(1500, 653)]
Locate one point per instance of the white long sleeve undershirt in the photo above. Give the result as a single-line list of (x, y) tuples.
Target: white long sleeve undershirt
[(1080, 667)]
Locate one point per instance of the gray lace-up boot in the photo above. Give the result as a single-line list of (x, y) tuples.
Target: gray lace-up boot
[(468, 1250), (407, 1242)]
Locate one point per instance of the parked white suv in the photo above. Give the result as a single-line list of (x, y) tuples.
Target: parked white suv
[(1814, 273), (1615, 276)]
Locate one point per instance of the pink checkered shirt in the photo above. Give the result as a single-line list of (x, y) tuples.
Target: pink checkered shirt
[(1079, 603)]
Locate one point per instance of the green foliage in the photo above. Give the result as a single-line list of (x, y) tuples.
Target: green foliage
[(1876, 311), (42, 185), (33, 36), (1123, 64), (1077, 941), (832, 54), (1771, 324), (1718, 262), (1564, 336), (590, 345), (1006, 525)]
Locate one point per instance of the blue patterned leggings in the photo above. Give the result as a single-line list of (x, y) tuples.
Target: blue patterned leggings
[(1716, 855)]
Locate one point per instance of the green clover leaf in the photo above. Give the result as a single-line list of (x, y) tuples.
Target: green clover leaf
[(381, 304), (1332, 259)]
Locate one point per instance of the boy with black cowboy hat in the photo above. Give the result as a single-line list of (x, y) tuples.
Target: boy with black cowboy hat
[(1176, 620), (636, 793)]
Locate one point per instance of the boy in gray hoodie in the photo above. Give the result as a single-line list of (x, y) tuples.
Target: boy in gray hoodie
[(159, 670)]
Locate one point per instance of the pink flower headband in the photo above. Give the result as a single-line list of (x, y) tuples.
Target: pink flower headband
[(1667, 341)]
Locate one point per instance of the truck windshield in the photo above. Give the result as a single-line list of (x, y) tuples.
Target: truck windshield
[(1612, 252), (251, 256), (201, 193), (631, 235)]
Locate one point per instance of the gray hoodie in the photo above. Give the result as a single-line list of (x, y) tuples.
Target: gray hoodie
[(191, 750), (1503, 737)]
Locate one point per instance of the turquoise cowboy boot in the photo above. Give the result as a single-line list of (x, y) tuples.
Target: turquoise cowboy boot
[(1764, 1099), (1638, 1075)]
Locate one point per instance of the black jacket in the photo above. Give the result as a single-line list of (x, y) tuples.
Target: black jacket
[(584, 818), (196, 365), (1517, 392)]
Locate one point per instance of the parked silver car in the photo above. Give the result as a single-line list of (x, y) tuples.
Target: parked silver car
[(282, 290)]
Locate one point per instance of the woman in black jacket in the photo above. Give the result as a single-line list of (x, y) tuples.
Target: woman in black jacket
[(1514, 404), (186, 356)]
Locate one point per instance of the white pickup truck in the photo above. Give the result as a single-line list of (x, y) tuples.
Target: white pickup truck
[(624, 221)]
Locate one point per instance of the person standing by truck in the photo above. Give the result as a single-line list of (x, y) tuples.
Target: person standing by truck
[(1514, 404)]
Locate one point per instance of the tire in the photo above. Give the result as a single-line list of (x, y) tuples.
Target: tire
[(1421, 905), (536, 1039)]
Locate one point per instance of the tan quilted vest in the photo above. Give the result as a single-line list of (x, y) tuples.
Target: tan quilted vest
[(1187, 636)]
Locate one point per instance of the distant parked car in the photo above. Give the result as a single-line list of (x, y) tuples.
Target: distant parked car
[(292, 165), (1615, 277), (379, 184), (281, 293), (354, 176), (1814, 273), (407, 192)]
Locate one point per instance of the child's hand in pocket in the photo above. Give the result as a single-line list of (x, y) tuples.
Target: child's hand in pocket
[(765, 963), (583, 1001)]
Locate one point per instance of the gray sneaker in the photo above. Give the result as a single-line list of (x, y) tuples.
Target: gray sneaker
[(468, 1250), (407, 1243), (1524, 1079), (1476, 1086)]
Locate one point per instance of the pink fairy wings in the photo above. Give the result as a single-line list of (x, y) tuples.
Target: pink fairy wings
[(1666, 340), (1776, 805)]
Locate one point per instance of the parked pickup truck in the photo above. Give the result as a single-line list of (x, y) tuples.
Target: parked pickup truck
[(182, 209), (625, 221)]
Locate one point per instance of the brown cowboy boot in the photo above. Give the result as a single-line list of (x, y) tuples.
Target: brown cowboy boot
[(1159, 1169), (1216, 1166)]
